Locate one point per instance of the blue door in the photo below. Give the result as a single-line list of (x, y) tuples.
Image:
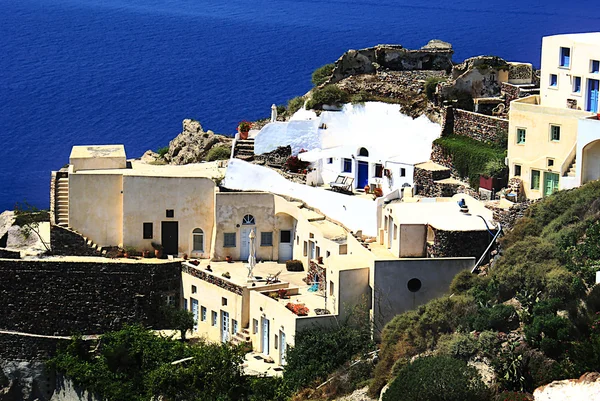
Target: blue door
[(593, 90), (363, 175)]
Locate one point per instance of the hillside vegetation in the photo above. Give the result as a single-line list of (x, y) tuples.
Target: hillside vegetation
[(532, 319)]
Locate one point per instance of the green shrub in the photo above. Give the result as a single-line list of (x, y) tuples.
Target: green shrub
[(513, 396), (437, 378), (430, 86), (163, 151), (488, 343), (498, 318), (294, 265), (469, 156), (330, 95), (457, 345), (360, 98), (295, 104), (322, 74), (462, 282), (218, 153), (549, 332)]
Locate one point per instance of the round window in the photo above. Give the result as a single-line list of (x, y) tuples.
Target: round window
[(414, 285)]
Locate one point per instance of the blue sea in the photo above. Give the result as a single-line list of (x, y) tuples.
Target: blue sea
[(76, 72)]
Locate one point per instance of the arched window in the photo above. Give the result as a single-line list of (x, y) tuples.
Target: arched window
[(198, 240), (363, 152), (248, 220)]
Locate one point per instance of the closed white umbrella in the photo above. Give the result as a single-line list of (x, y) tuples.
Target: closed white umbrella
[(252, 257)]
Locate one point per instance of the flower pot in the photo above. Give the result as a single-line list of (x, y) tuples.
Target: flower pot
[(146, 254), (158, 253), (228, 259), (243, 134), (185, 256), (367, 189)]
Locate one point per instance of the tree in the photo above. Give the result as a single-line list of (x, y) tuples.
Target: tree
[(29, 217), (179, 319), (437, 378), (322, 74)]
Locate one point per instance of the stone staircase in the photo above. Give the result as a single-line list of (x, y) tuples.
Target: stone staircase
[(68, 242), (572, 171), (62, 202), (244, 149), (242, 337)]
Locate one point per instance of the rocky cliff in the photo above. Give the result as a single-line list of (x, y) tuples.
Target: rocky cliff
[(193, 144)]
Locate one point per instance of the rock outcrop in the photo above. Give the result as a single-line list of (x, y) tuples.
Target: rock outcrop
[(193, 144), (587, 387)]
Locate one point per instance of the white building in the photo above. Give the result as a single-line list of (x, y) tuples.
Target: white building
[(373, 143)]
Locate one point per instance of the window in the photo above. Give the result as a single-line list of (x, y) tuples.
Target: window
[(344, 249), (223, 301), (395, 231), (254, 326), (595, 68), (235, 326), (203, 313), (363, 152), (318, 252), (576, 84), (550, 162), (148, 230), (378, 170), (229, 240), (555, 133), (331, 288), (330, 160), (535, 179), (305, 250), (311, 235), (266, 239), (285, 236), (248, 220), (565, 57), (170, 213), (414, 285), (170, 300), (185, 302), (347, 165), (521, 135), (402, 172), (553, 80), (198, 235), (194, 289), (276, 340), (517, 170), (213, 316)]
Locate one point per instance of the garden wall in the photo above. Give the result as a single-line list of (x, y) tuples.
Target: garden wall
[(480, 127)]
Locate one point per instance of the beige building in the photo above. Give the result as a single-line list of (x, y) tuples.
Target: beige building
[(543, 130)]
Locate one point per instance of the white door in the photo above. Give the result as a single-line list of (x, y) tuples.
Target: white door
[(225, 326), (286, 245), (282, 347), (390, 232), (264, 346), (311, 250), (245, 243), (195, 312)]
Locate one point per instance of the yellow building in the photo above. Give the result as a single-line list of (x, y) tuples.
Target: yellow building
[(543, 129)]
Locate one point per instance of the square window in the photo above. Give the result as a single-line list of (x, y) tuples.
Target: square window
[(553, 80), (595, 68), (266, 239), (535, 179), (565, 57), (285, 236), (331, 287), (203, 313), (521, 136), (254, 326), (330, 160), (517, 170), (214, 318), (194, 289), (223, 301), (170, 213), (576, 84), (555, 133), (347, 165), (402, 172), (378, 170), (344, 249), (229, 240), (148, 230), (550, 162)]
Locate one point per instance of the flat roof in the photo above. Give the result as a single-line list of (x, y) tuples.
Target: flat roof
[(592, 38), (139, 168), (97, 151)]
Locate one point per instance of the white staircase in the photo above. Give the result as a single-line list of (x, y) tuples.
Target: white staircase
[(62, 202), (572, 171), (242, 337)]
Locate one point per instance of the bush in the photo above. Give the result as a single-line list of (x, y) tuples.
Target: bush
[(437, 378), (330, 95), (360, 98), (457, 345), (430, 86), (295, 104), (163, 151), (295, 165), (469, 156), (513, 396), (498, 318), (294, 265), (488, 343), (322, 74), (218, 153)]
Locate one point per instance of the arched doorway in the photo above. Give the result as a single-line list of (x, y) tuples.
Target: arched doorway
[(590, 166), (248, 224)]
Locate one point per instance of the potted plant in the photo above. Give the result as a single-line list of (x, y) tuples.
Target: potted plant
[(378, 192), (244, 128), (367, 189), (298, 309), (185, 256), (226, 275), (228, 259), (282, 293), (129, 251), (146, 253), (158, 249)]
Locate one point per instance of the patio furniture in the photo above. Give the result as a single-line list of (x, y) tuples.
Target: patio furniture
[(273, 278), (342, 184)]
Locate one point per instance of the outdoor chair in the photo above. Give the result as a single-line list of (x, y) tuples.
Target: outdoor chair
[(342, 184), (273, 278)]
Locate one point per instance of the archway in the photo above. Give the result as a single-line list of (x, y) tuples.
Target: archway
[(590, 165)]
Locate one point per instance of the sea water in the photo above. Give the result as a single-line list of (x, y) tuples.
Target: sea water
[(75, 72)]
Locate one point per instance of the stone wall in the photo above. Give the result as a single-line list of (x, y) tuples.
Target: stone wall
[(511, 92), (480, 127), (23, 347), (212, 279), (426, 185), (8, 254), (67, 242), (54, 297), (452, 244)]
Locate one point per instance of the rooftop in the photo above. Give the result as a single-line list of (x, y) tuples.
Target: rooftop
[(138, 168), (98, 151), (591, 38)]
